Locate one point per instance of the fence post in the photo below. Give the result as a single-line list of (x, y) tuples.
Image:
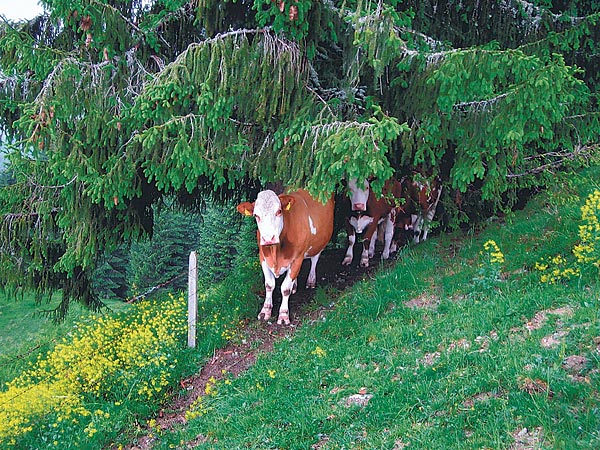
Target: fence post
[(192, 300)]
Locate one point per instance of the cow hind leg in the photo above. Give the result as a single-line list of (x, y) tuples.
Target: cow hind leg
[(417, 224), (427, 223), (311, 282)]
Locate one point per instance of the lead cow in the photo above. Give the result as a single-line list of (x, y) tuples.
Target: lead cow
[(291, 227)]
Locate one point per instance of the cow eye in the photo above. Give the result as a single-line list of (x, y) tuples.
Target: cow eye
[(257, 218), (278, 213)]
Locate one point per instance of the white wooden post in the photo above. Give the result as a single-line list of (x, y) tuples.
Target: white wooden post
[(192, 300)]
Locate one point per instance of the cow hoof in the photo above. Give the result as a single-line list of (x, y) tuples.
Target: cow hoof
[(364, 263), (284, 318), (347, 261), (265, 313), (385, 255)]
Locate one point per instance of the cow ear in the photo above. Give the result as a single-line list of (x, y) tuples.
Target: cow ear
[(246, 208), (286, 201)]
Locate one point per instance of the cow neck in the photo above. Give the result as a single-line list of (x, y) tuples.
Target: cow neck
[(271, 251)]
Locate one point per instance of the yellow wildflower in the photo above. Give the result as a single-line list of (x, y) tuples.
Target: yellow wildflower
[(319, 352)]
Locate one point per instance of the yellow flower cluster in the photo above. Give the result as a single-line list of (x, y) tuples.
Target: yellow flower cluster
[(197, 409), (493, 251), (109, 357), (319, 352), (211, 387), (588, 250), (555, 269)]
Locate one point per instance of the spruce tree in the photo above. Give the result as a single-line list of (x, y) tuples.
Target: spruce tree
[(114, 105)]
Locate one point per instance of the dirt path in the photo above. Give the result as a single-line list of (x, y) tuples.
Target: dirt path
[(257, 338)]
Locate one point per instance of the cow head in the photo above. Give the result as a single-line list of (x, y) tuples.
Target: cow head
[(268, 212), (359, 194)]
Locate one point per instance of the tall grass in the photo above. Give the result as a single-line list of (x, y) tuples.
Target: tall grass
[(27, 331)]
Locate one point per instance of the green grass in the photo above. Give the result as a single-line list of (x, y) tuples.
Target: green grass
[(464, 369), (92, 380)]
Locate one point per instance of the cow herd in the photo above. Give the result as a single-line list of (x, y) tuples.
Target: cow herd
[(294, 226)]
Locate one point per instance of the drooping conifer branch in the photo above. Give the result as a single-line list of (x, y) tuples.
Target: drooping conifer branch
[(558, 160)]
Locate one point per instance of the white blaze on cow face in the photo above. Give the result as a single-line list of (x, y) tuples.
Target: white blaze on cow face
[(269, 217), (358, 195)]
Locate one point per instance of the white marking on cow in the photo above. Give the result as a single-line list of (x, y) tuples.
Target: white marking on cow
[(267, 211), (358, 196), (313, 229), (361, 223)]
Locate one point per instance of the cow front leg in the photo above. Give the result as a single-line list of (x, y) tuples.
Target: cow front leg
[(372, 244), (350, 251), (288, 287), (311, 282), (265, 312), (286, 290), (368, 237)]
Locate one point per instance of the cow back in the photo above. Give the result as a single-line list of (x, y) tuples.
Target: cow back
[(308, 224)]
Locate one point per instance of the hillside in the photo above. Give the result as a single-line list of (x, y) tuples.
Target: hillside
[(484, 338), (462, 343)]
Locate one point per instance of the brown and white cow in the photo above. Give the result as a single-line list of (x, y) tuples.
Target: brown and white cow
[(291, 227), (424, 196), (406, 208), (368, 213)]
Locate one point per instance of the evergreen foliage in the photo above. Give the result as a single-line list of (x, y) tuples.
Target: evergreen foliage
[(114, 105), (225, 239), (164, 257), (220, 237), (110, 277)]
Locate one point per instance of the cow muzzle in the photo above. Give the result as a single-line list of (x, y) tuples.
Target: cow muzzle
[(359, 207), (269, 240)]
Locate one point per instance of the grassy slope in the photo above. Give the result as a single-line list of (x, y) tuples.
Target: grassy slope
[(461, 366)]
